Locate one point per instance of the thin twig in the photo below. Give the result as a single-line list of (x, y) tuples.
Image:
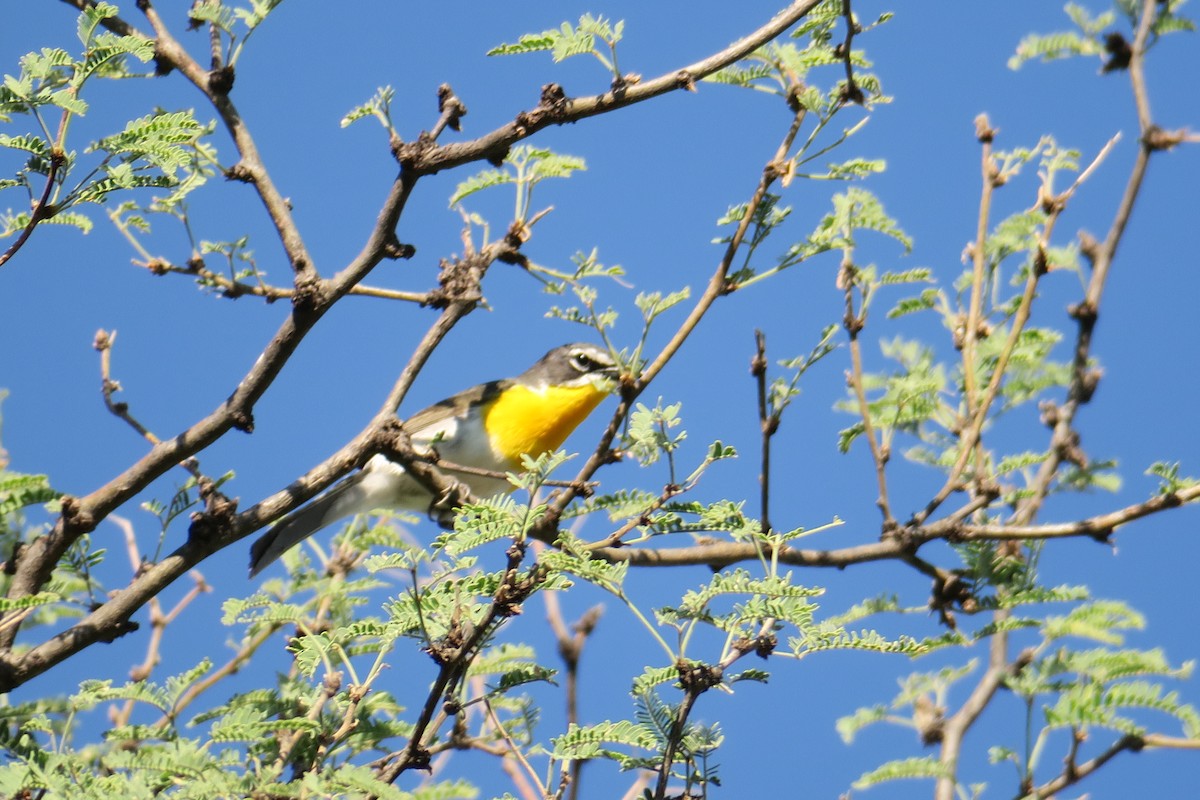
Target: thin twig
[(978, 407), (512, 747), (1087, 312), (570, 648), (718, 286), (853, 321), (41, 209), (767, 423), (234, 289)]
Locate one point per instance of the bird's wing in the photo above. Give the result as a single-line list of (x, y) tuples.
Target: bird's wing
[(440, 421), (381, 483)]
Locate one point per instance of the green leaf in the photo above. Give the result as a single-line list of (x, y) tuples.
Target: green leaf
[(569, 40), (854, 169), (29, 601), (311, 651), (478, 182), (848, 727), (1172, 481), (653, 304), (588, 741), (652, 677), (846, 436), (648, 436), (915, 275), (27, 142), (18, 491), (1101, 621), (90, 19), (1020, 461), (1052, 47), (160, 139), (257, 13), (216, 14), (527, 43), (900, 769), (377, 105), (910, 305)]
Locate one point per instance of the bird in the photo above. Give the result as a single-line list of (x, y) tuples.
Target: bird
[(487, 427)]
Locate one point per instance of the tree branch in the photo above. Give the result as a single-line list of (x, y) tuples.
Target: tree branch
[(556, 109)]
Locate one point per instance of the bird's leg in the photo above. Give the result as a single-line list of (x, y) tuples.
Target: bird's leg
[(444, 504)]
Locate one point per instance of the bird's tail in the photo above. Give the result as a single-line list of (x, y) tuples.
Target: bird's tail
[(344, 499)]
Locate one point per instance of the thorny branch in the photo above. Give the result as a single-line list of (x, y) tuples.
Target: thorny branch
[(313, 298), (313, 295)]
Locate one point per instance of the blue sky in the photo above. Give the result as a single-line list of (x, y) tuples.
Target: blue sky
[(658, 177)]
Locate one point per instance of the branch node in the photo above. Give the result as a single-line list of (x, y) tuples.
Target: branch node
[(1119, 53), (1156, 138), (929, 719), (1041, 265), (309, 292), (458, 282), (622, 82), (762, 646), (1089, 247), (117, 630), (1084, 311), (74, 517), (984, 131), (697, 678), (162, 64), (220, 81), (408, 154), (1071, 451), (218, 515), (850, 93), (554, 99), (394, 249), (1088, 383), (240, 172), (242, 419), (496, 157), (452, 109), (1049, 413)]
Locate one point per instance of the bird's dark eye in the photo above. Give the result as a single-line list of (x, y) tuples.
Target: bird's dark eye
[(582, 362)]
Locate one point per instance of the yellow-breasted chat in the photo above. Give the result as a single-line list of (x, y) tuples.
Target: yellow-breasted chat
[(487, 427)]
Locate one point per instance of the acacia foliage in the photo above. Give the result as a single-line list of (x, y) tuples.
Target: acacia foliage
[(329, 726)]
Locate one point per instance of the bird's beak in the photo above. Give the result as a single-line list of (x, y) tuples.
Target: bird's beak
[(611, 376)]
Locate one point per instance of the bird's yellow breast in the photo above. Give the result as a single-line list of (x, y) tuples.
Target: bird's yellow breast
[(526, 421)]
